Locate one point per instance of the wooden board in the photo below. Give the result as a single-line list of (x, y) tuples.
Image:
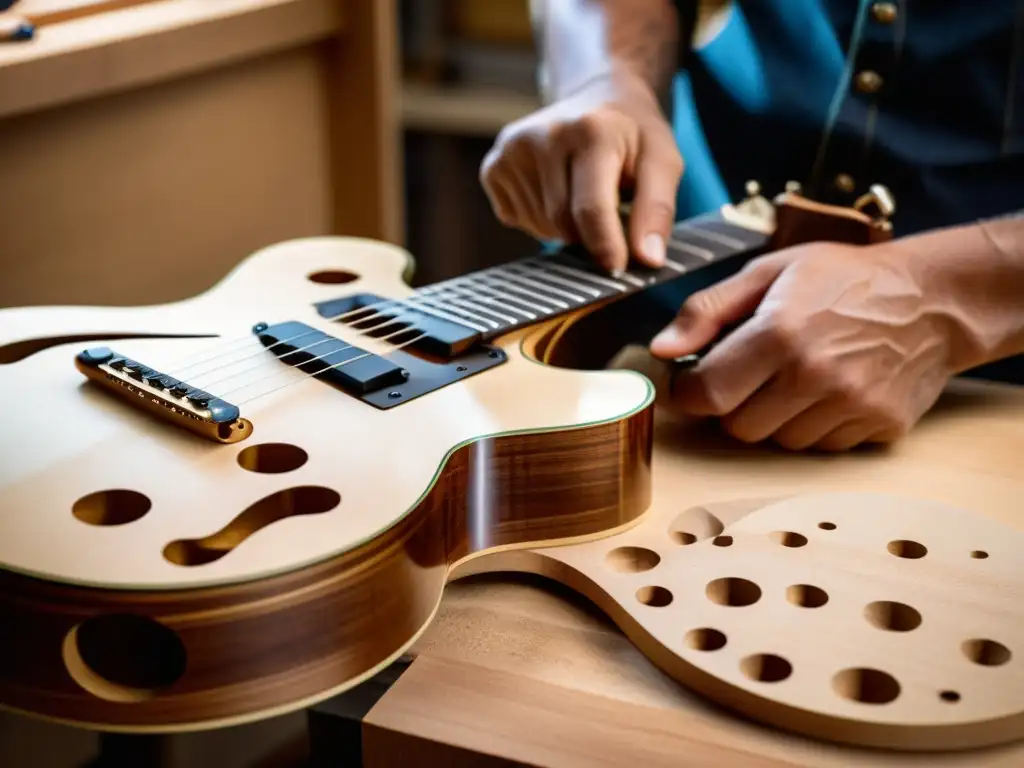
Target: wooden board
[(506, 665)]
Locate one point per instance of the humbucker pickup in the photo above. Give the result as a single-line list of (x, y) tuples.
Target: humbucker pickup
[(163, 395)]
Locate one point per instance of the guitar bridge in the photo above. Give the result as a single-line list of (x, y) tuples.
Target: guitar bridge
[(164, 396)]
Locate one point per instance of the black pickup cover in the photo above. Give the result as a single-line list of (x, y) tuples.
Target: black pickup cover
[(381, 381), (353, 369)]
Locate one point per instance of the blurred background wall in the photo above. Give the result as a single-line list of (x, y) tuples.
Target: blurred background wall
[(146, 146), (468, 68)]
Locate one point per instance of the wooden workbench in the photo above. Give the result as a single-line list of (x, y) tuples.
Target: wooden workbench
[(147, 147), (515, 670)]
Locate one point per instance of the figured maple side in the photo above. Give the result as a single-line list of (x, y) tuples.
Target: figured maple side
[(253, 592)]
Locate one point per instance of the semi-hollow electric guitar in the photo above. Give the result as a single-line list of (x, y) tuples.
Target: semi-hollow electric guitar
[(233, 506)]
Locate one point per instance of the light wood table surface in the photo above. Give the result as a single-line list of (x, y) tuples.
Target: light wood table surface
[(515, 670)]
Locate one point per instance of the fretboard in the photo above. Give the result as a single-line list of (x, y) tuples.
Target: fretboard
[(500, 299)]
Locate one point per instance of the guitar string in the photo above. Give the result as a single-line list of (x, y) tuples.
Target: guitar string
[(198, 380), (303, 375), (264, 362), (178, 368), (459, 293), (475, 276), (260, 352), (292, 370), (503, 279), (318, 373), (342, 348)]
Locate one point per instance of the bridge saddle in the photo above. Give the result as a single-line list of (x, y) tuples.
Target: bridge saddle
[(163, 395)]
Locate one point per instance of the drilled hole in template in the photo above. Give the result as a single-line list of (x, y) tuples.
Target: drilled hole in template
[(827, 526), (911, 550), (979, 554), (788, 538), (704, 639), (722, 541), (291, 502), (272, 458), (332, 277), (693, 525), (868, 686), (657, 597), (113, 507), (806, 595), (951, 696), (632, 559), (898, 617), (123, 657), (766, 668), (988, 653), (733, 591)]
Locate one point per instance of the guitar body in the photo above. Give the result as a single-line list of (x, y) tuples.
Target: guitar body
[(151, 580), (226, 508)]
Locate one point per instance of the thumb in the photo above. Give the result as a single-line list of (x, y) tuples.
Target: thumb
[(658, 171), (707, 313)]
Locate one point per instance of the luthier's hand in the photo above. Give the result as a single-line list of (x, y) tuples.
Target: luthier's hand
[(556, 173), (836, 346)]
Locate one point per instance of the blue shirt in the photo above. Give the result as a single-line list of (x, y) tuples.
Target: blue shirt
[(924, 96)]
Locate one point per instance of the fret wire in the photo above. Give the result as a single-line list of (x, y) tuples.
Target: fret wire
[(593, 278), (471, 303), (449, 318), (584, 264), (512, 281), (748, 238), (504, 304), (639, 282), (430, 292), (545, 269), (477, 304), (538, 287), (511, 297), (550, 289), (498, 271), (701, 253), (650, 279), (456, 311), (715, 237), (503, 286)]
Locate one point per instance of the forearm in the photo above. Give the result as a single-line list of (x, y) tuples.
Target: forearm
[(580, 40), (976, 275)]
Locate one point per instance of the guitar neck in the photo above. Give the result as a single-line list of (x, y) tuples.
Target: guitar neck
[(504, 298)]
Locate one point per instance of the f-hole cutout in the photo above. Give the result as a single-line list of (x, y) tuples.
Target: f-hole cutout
[(303, 500), (17, 351)]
